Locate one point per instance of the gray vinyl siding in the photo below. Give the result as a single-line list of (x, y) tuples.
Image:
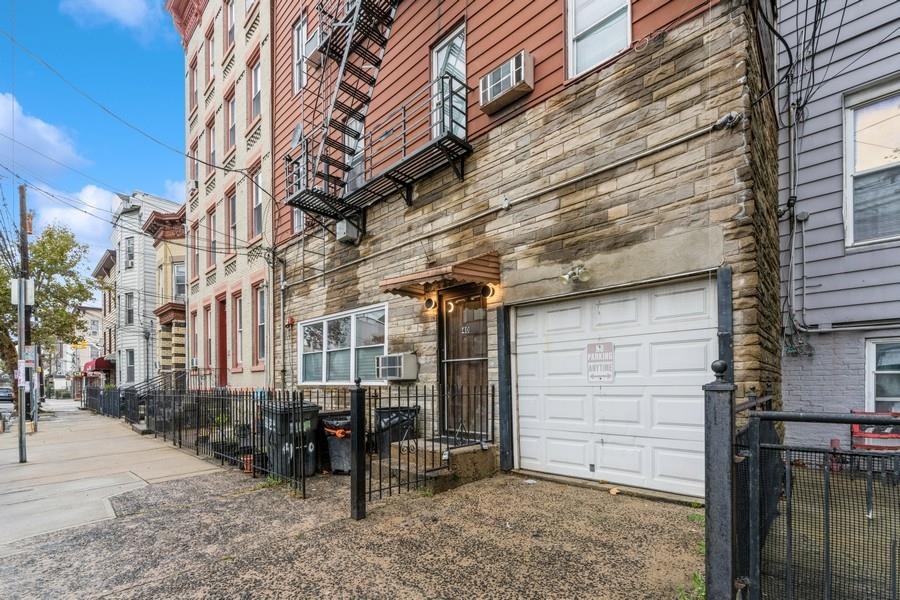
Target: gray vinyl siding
[(843, 284)]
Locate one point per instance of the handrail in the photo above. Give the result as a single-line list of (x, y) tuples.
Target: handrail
[(837, 418), (753, 403)]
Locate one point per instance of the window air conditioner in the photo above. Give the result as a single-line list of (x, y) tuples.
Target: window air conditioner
[(194, 362), (129, 263), (311, 52), (192, 186), (507, 83), (397, 367)]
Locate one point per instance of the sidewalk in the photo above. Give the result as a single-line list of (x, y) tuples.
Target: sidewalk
[(76, 462)]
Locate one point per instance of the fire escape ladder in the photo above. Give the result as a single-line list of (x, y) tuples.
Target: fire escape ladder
[(355, 35)]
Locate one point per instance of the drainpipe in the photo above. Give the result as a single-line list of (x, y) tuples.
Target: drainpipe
[(283, 291)]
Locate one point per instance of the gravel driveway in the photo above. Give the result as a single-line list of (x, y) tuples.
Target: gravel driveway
[(229, 536)]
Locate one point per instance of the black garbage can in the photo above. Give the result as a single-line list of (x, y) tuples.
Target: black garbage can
[(337, 435), (281, 428), (392, 424)]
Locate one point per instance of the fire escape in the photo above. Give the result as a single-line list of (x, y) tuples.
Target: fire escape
[(341, 162)]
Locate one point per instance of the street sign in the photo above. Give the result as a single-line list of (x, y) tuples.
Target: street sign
[(29, 354)]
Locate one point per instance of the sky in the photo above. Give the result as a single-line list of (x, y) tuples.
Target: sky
[(123, 54)]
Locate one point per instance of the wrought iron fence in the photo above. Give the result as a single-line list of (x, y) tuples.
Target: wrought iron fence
[(409, 434), (106, 402)]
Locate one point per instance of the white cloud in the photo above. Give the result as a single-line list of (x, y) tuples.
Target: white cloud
[(174, 190), (132, 14), (30, 131), (87, 213)]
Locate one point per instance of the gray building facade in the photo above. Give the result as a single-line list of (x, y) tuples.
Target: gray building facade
[(839, 156)]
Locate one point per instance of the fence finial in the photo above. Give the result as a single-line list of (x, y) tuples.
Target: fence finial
[(719, 367), (357, 381)]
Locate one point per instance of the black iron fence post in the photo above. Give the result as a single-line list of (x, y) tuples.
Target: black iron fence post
[(358, 452), (719, 405), (753, 512)]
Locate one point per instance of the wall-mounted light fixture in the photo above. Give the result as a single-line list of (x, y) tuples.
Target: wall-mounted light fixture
[(430, 303), (578, 273), (487, 291)]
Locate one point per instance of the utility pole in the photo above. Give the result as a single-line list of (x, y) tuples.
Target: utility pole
[(23, 314)]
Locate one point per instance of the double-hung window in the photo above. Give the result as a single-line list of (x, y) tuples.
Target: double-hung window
[(129, 308), (210, 148), (256, 214), (229, 24), (259, 324), (129, 252), (129, 362), (195, 250), (255, 91), (872, 164), (343, 347), (597, 31), (179, 285), (298, 62), (448, 71), (231, 233), (211, 238), (237, 328), (230, 122), (883, 375)]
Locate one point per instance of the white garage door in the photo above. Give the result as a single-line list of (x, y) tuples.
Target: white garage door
[(609, 387)]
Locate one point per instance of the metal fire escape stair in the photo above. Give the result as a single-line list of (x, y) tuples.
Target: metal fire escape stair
[(354, 39)]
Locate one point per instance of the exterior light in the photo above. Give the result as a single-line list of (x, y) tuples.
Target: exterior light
[(487, 291), (430, 303)]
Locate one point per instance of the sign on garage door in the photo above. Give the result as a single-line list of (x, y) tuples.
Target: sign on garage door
[(635, 418)]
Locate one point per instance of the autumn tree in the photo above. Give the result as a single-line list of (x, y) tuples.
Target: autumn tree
[(56, 263)]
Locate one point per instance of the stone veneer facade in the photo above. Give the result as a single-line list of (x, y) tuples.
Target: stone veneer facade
[(650, 215)]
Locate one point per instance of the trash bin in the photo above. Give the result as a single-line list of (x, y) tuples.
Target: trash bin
[(337, 435), (282, 434), (392, 424)]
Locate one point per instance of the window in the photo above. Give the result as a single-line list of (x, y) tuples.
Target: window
[(448, 66), (256, 214), (210, 57), (210, 147), (192, 85), (129, 365), (129, 308), (259, 324), (883, 375), (298, 220), (195, 250), (207, 336), (231, 210), (194, 336), (95, 327), (129, 252), (299, 64), (237, 329), (179, 283), (598, 30), (211, 238), (230, 122), (255, 100), (229, 23), (160, 281), (872, 155), (194, 164), (355, 178), (343, 347)]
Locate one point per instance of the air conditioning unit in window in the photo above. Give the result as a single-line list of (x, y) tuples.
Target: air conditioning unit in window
[(129, 264), (191, 186), (397, 367), (311, 52), (195, 362), (507, 83)]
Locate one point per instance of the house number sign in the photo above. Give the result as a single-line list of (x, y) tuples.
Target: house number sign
[(601, 362)]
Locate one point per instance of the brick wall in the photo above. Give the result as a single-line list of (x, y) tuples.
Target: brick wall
[(688, 208)]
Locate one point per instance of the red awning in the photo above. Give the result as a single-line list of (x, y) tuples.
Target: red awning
[(98, 364)]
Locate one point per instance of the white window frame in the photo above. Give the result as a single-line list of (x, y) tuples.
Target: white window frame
[(129, 252), (175, 284), (299, 64), (353, 347), (210, 148), (129, 308), (231, 122), (438, 112), (255, 90), (870, 369), (256, 220), (231, 209), (299, 220), (853, 101), (237, 305), (571, 37), (259, 323), (129, 366), (229, 24)]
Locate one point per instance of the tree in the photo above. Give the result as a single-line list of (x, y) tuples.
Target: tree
[(56, 261)]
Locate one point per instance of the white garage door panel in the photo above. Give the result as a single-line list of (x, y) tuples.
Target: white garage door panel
[(644, 428)]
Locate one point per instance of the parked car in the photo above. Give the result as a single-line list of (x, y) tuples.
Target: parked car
[(7, 400)]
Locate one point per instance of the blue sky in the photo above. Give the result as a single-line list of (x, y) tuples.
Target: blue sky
[(125, 54)]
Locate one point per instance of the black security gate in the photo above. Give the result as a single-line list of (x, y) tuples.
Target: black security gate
[(399, 442), (790, 522)]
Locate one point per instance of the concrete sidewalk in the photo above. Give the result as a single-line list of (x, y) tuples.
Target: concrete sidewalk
[(76, 462)]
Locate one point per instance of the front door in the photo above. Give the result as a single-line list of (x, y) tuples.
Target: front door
[(222, 346), (464, 363)]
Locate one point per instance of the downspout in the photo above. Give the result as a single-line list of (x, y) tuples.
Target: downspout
[(283, 291)]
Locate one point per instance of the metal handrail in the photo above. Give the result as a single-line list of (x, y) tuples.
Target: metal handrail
[(836, 418)]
